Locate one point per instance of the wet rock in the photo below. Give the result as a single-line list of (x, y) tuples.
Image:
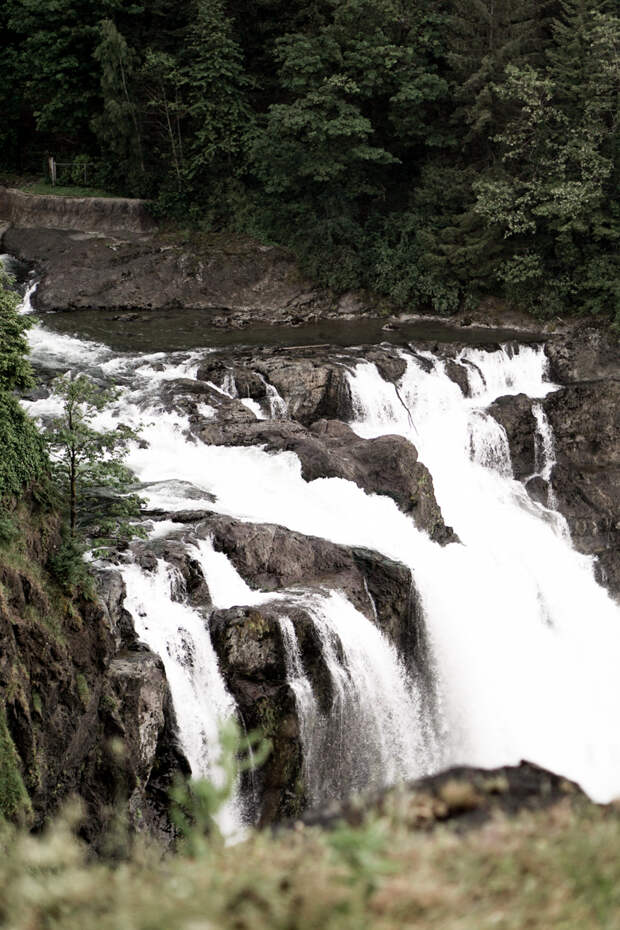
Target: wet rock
[(246, 382), (137, 708), (249, 645), (311, 387), (514, 413), (186, 396), (186, 577), (76, 728), (458, 373), (586, 353), (391, 367), (396, 610), (585, 418), (111, 591), (538, 489), (387, 465), (271, 557), (463, 797)]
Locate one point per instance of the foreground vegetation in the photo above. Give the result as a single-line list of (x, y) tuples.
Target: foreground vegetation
[(556, 868), (437, 151)]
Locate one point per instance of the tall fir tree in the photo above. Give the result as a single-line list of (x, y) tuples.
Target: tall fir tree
[(216, 90), (118, 126)]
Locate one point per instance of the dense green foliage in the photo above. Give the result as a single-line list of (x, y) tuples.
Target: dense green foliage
[(23, 458), (437, 151)]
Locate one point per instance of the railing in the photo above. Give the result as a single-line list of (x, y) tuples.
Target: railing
[(78, 169)]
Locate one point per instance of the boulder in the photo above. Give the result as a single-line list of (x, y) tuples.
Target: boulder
[(585, 353), (514, 413), (585, 418)]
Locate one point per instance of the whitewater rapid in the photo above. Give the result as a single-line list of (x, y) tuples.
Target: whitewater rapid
[(525, 645)]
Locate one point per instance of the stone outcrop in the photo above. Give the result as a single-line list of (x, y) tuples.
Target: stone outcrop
[(311, 382), (248, 639), (232, 281), (514, 413), (87, 707), (584, 415), (463, 796), (326, 448), (585, 418), (586, 353)]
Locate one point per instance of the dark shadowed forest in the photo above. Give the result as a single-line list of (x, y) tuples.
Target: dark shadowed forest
[(435, 152)]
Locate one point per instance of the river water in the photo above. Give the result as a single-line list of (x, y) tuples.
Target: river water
[(524, 644)]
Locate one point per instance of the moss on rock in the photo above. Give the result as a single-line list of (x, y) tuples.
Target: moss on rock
[(15, 802)]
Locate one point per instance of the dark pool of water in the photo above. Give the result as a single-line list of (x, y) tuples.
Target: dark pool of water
[(177, 330)]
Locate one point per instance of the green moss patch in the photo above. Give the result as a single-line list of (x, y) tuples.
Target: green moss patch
[(14, 800)]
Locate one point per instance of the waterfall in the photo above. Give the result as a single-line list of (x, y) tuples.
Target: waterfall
[(524, 641), (278, 407), (179, 635), (373, 732), (525, 645), (544, 451)]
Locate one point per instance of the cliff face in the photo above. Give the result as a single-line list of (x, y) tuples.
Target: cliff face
[(107, 254), (83, 708), (583, 415)]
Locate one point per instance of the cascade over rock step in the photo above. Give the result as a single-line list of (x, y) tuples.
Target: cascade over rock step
[(248, 639)]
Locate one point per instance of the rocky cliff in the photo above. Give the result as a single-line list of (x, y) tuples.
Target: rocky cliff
[(84, 708), (584, 415), (233, 281)]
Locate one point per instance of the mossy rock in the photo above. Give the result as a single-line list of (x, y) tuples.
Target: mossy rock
[(14, 799)]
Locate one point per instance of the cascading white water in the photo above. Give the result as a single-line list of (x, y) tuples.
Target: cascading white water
[(275, 404), (544, 451), (524, 639), (373, 732), (179, 635), (278, 407), (525, 643)]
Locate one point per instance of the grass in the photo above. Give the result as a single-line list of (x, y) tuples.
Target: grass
[(42, 187), (31, 184), (557, 868)]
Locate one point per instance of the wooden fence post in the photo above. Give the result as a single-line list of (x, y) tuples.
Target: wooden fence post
[(52, 167)]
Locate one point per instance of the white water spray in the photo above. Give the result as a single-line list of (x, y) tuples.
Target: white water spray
[(525, 643), (179, 635), (372, 732)]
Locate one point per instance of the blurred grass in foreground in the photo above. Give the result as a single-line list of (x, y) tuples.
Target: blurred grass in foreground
[(557, 868)]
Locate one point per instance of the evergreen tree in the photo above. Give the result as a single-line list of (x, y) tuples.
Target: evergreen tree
[(88, 465), (461, 249), (484, 37), (357, 94), (215, 86), (164, 110), (118, 126), (23, 458), (56, 69)]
